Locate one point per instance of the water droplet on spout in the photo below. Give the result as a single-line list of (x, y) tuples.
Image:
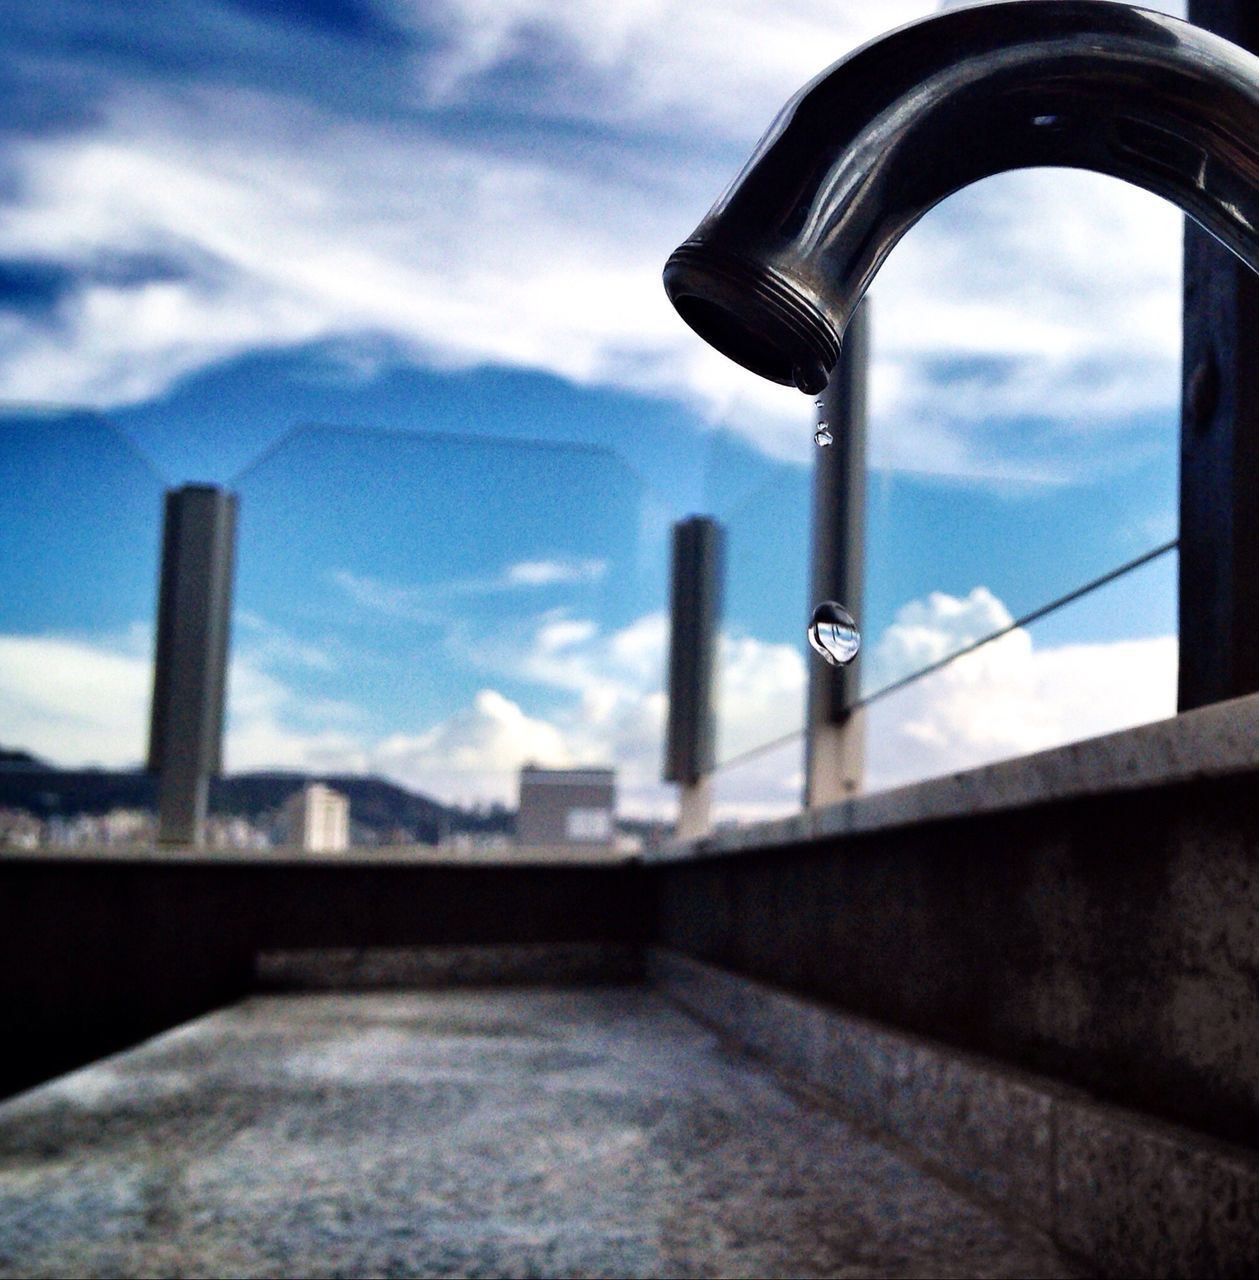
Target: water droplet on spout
[(822, 436), (833, 633)]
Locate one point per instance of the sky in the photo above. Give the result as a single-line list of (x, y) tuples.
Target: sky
[(391, 271)]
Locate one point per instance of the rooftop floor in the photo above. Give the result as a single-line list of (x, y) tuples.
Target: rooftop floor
[(520, 1132)]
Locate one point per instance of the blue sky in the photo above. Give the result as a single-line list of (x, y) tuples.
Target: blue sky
[(391, 270)]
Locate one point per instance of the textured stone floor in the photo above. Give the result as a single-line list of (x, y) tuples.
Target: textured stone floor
[(526, 1133)]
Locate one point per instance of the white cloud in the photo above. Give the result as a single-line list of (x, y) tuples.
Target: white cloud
[(478, 260), (663, 64), (269, 645), (391, 599), (425, 603), (300, 225), (1009, 697), (668, 65), (84, 701), (545, 573), (1053, 295), (271, 724), (476, 754), (611, 709), (927, 630), (74, 700)]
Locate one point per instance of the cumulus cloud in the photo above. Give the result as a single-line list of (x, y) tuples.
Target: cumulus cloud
[(928, 630), (476, 754), (291, 220), (1009, 697), (84, 701)]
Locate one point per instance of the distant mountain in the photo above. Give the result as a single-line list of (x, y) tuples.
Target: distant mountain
[(46, 791), (384, 808)]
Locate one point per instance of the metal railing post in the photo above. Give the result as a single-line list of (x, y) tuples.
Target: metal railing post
[(835, 730), (190, 662), (695, 620), (1219, 445)]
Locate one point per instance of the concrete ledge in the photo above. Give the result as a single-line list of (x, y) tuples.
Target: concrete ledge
[(1213, 741), (402, 855), (384, 968), (1132, 1195)]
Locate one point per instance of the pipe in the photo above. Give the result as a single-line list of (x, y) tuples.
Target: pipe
[(774, 272)]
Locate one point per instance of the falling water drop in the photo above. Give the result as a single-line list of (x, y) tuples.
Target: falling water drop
[(833, 633), (822, 436)]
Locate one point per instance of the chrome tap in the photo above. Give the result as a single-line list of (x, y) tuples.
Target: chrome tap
[(773, 273)]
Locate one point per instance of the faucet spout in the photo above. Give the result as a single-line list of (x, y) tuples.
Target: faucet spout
[(773, 273)]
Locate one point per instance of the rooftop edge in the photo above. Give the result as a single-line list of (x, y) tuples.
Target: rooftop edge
[(1208, 742)]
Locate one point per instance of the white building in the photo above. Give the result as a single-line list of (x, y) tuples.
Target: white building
[(317, 819)]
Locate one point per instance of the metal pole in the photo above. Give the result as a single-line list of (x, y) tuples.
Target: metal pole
[(190, 665), (695, 613), (835, 737), (1219, 445)]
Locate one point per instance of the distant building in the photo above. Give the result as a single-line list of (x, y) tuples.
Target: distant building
[(567, 807), (317, 819), (230, 831), (20, 829), (127, 827)]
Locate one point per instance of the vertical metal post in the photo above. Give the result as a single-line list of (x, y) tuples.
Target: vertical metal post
[(695, 613), (190, 664), (1219, 445), (835, 737)]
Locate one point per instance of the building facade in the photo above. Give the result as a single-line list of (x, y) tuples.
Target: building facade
[(317, 819), (567, 807)]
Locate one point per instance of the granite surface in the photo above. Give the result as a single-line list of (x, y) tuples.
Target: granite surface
[(474, 1133), (414, 968), (1132, 1196), (1210, 742)]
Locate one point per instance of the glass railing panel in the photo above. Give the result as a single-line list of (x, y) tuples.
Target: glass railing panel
[(761, 785), (764, 505), (439, 611), (1024, 407), (996, 557), (80, 527)]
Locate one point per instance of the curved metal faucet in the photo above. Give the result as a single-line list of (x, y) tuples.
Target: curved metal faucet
[(773, 273)]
